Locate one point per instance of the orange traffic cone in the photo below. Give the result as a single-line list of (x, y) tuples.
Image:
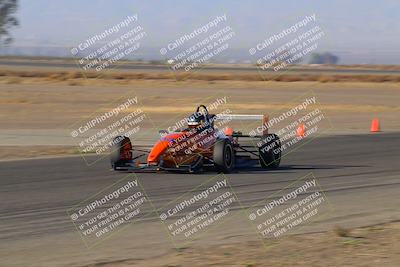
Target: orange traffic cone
[(301, 130), (375, 126), (228, 131)]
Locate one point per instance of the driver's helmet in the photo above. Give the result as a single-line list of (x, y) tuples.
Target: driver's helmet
[(196, 120)]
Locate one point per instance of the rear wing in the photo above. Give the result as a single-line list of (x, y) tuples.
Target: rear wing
[(246, 117)]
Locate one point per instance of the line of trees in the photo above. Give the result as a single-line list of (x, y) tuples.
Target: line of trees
[(324, 58), (7, 19)]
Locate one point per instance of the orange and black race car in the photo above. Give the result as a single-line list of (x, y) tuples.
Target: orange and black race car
[(198, 147)]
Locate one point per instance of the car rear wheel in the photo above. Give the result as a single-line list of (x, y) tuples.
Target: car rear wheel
[(270, 151), (121, 151), (224, 156)]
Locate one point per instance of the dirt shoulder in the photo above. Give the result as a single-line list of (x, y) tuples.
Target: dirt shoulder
[(368, 246), (57, 71)]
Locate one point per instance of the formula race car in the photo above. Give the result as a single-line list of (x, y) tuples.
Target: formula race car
[(200, 146)]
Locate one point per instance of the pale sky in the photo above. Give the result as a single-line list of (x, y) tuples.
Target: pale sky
[(363, 27)]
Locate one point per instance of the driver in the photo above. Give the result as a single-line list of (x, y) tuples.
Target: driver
[(197, 121)]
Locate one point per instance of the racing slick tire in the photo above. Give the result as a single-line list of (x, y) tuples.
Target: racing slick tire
[(224, 156), (121, 151), (269, 159)]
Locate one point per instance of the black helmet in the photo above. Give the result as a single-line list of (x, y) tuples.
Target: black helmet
[(196, 119)]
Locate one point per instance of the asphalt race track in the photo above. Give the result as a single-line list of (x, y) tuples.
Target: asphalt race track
[(359, 173)]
